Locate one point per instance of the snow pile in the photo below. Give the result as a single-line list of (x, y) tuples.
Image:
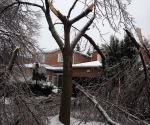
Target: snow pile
[(55, 121)]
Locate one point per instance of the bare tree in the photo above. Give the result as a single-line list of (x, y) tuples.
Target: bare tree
[(93, 10)]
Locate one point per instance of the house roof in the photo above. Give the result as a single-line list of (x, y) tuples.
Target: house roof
[(52, 51), (82, 53)]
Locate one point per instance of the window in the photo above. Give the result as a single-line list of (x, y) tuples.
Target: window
[(60, 57), (99, 58)]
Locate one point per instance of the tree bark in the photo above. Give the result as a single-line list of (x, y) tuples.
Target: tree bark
[(64, 116)]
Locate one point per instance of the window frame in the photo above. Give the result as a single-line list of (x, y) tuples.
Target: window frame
[(60, 57)]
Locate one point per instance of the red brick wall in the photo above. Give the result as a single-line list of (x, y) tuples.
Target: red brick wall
[(83, 72), (49, 72), (52, 58), (79, 58), (94, 56)]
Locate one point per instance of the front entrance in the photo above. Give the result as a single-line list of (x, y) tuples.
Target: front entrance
[(57, 79)]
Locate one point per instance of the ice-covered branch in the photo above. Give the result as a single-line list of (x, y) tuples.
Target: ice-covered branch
[(83, 14), (97, 105), (81, 32)]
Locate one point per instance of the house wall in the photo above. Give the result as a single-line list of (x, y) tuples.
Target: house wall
[(94, 56), (50, 73), (79, 58), (86, 72), (79, 72), (52, 58)]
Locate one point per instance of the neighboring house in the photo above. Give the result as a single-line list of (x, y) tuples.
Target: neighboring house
[(83, 65)]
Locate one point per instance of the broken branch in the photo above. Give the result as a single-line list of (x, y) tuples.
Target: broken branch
[(56, 12), (13, 58)]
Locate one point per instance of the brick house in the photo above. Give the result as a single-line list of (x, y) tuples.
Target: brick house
[(52, 61), (83, 65)]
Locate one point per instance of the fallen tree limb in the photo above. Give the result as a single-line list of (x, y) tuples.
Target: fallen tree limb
[(102, 111), (127, 113), (97, 105)]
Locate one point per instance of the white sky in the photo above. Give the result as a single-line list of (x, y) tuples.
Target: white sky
[(139, 9)]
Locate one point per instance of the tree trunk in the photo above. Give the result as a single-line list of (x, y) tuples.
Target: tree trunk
[(64, 116)]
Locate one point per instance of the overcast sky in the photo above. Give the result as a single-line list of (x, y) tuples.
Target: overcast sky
[(139, 9)]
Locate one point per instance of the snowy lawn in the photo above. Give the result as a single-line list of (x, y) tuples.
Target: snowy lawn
[(55, 121)]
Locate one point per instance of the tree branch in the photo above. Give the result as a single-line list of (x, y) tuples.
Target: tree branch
[(13, 58), (138, 30), (48, 17), (125, 112), (20, 2), (97, 105), (56, 12), (80, 33), (139, 49), (52, 28), (47, 7), (83, 14), (71, 9), (96, 48)]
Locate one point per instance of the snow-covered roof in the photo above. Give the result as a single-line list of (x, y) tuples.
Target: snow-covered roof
[(87, 64), (60, 68)]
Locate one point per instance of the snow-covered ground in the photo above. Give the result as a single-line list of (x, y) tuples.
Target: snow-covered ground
[(55, 121)]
